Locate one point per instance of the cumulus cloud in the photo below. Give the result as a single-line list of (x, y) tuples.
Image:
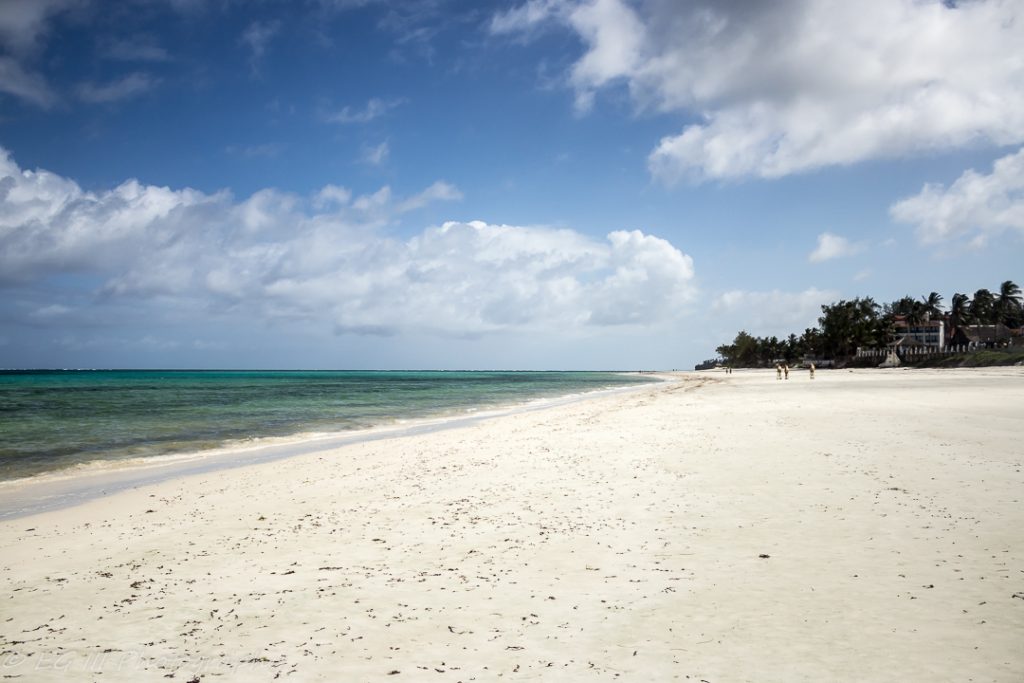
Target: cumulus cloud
[(975, 206), (775, 311), (332, 195), (833, 246), (328, 258), (779, 88)]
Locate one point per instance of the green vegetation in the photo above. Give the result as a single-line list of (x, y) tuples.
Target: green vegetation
[(846, 325)]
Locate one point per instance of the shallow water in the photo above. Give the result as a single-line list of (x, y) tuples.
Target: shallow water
[(51, 420)]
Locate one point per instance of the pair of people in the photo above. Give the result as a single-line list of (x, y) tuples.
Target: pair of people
[(779, 369)]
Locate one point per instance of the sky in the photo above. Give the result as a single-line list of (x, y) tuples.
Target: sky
[(449, 184)]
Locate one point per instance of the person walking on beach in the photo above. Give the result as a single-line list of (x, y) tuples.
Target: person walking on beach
[(812, 370), (785, 369), (778, 371)]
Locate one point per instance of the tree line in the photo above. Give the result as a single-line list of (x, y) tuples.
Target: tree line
[(845, 325)]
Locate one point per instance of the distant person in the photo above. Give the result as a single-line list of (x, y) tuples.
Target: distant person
[(778, 371), (812, 370), (785, 369)]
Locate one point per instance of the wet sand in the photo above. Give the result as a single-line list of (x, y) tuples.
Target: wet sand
[(862, 526)]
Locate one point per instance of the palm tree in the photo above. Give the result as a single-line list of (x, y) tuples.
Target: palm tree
[(909, 308), (983, 307), (810, 340), (932, 305), (1008, 304), (959, 309)]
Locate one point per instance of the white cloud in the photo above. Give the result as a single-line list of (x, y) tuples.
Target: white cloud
[(617, 40), (329, 259), (256, 37), (23, 22), (25, 85), (773, 312), (833, 246), (375, 108), (132, 85), (372, 203), (377, 155), (526, 16), (438, 191), (789, 86), (50, 311), (975, 206), (332, 194)]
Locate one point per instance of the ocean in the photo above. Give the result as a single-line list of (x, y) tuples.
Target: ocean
[(57, 419)]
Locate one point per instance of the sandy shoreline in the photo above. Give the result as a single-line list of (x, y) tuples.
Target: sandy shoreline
[(76, 485), (619, 537)]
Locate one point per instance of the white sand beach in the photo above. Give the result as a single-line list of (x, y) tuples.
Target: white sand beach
[(863, 526)]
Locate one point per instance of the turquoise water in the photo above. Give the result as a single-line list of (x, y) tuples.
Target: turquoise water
[(51, 420)]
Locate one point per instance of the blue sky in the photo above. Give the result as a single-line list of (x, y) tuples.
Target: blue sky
[(443, 184)]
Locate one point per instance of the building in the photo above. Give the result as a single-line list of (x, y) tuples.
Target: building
[(930, 333), (983, 336), (910, 339)]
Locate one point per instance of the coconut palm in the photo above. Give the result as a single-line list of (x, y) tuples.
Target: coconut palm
[(810, 340), (983, 307), (932, 305), (1008, 306), (793, 348), (909, 309), (959, 309)]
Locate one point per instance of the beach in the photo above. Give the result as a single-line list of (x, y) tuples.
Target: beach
[(860, 526)]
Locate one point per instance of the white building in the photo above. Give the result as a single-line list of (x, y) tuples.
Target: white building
[(931, 333)]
